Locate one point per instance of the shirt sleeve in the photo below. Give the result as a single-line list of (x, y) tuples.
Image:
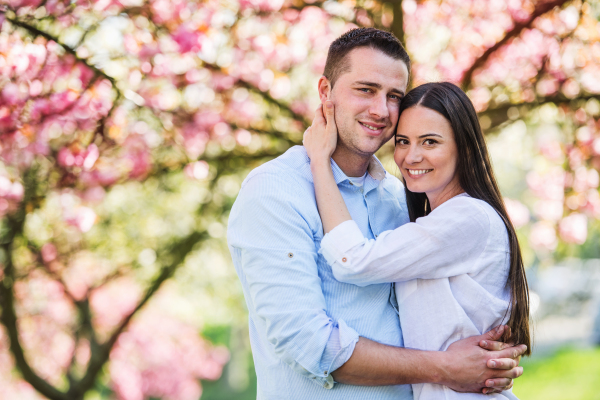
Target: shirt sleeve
[(279, 264), (445, 243)]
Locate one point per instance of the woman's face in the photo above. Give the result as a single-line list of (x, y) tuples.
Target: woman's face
[(427, 155)]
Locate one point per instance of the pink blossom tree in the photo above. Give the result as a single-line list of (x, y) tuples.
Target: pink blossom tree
[(126, 128)]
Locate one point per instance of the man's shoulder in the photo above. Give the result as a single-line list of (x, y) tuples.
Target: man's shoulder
[(291, 167)]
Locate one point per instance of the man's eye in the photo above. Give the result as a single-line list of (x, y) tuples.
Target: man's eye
[(395, 97), (365, 90)]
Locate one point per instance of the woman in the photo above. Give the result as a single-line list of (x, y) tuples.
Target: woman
[(457, 266)]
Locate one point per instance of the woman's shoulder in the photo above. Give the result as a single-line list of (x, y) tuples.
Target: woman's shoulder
[(471, 207), (464, 208)]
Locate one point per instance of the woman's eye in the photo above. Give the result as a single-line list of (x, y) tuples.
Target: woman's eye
[(429, 142), (402, 141)]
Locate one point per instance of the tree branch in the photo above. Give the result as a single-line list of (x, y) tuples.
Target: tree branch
[(37, 32), (266, 96), (499, 115), (15, 223), (541, 8), (100, 355), (398, 21)]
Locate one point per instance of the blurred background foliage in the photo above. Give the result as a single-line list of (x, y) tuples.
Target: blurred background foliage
[(127, 127)]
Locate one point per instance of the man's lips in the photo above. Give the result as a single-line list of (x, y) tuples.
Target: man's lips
[(372, 128)]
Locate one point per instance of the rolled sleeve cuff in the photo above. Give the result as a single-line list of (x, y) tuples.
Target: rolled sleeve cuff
[(336, 243), (338, 350)]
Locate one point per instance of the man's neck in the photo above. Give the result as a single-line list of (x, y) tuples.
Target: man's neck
[(352, 164)]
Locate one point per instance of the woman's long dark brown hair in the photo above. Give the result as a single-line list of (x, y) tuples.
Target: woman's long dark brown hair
[(477, 179)]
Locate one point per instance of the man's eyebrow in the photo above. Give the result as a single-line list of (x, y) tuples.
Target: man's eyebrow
[(378, 86)]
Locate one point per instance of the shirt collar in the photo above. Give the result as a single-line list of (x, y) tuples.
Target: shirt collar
[(375, 170)]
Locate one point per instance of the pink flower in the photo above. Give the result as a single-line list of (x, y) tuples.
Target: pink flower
[(81, 217), (573, 228), (197, 170), (187, 40), (160, 356), (543, 236), (49, 252), (518, 213)]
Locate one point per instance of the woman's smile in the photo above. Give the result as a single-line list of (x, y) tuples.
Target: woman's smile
[(417, 173), (426, 154)]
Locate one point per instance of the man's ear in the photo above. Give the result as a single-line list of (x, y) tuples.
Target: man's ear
[(324, 89)]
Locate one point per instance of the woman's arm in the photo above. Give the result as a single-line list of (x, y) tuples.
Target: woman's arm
[(446, 243), (320, 141)]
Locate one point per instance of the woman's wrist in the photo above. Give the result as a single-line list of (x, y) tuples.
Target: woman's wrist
[(318, 163)]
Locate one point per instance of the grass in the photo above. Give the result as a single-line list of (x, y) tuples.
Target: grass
[(571, 374)]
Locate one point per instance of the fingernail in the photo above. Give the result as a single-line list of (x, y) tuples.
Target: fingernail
[(489, 383), (485, 391), (484, 343), (329, 104), (493, 364), (501, 329)]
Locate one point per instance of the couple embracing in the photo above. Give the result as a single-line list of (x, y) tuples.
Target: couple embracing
[(360, 286)]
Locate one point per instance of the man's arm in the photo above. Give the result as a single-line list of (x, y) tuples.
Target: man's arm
[(464, 367), (271, 234)]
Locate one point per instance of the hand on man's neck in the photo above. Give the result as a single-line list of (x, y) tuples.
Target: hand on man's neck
[(351, 164)]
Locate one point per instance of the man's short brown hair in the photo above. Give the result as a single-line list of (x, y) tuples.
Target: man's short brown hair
[(337, 63)]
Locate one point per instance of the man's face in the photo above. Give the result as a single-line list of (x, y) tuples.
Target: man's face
[(367, 100)]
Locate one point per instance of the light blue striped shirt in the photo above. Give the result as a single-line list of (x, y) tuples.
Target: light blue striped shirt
[(303, 323)]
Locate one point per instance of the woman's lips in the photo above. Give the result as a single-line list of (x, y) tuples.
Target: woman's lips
[(418, 173)]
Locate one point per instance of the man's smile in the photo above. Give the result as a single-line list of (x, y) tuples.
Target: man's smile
[(373, 128)]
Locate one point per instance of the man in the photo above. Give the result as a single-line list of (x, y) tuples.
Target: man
[(310, 333)]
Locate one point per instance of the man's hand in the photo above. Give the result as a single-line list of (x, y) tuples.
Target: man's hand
[(482, 364)]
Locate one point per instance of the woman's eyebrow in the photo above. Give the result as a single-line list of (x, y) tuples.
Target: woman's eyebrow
[(430, 134)]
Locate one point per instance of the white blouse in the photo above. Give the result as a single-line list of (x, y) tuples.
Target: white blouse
[(450, 268)]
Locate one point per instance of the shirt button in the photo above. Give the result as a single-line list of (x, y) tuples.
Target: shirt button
[(290, 255), (344, 259), (325, 372)]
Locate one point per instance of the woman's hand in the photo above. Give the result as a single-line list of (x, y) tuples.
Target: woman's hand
[(320, 139)]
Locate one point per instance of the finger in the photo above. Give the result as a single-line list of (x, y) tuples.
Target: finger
[(328, 109), (493, 345), (319, 118), (490, 391), (495, 334), (502, 363), (498, 383), (512, 373), (305, 134), (507, 332), (512, 352)]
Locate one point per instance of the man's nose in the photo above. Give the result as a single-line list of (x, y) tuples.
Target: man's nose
[(379, 107)]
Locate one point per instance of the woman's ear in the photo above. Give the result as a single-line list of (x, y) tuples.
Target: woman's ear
[(324, 89)]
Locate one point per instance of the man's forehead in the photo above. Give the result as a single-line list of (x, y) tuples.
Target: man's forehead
[(366, 64)]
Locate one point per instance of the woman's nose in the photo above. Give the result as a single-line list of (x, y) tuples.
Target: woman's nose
[(414, 155)]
